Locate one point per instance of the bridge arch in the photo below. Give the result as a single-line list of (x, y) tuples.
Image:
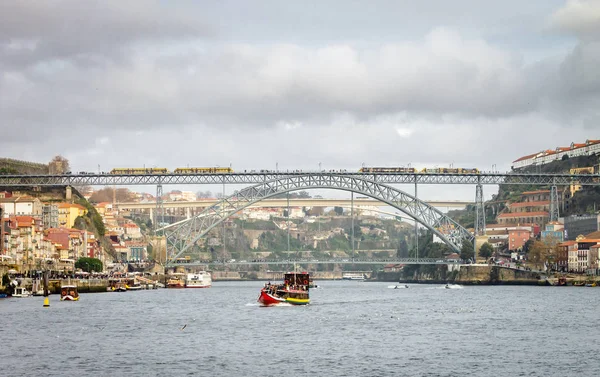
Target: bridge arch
[(186, 234)]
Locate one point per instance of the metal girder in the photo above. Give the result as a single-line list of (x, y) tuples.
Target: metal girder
[(258, 177), (554, 204), (479, 211), (326, 261), (160, 209), (183, 237)]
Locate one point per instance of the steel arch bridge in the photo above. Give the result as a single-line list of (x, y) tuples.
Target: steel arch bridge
[(183, 237)]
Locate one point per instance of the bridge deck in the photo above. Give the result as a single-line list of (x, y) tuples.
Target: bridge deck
[(252, 177)]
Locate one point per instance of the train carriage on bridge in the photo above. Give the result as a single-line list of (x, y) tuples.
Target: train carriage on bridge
[(139, 171), (213, 170)]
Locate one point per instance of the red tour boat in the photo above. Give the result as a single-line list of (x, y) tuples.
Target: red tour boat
[(293, 290)]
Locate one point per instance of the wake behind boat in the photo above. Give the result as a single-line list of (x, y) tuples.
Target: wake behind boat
[(294, 291)]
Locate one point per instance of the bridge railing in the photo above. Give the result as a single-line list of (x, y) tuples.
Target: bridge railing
[(319, 261)]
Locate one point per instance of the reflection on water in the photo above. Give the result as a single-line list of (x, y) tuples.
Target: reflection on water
[(349, 329)]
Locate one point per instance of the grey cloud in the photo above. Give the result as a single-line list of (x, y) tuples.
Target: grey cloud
[(260, 86), (579, 17), (36, 31)]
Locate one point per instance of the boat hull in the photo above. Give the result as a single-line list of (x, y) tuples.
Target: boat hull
[(267, 299), (69, 298)]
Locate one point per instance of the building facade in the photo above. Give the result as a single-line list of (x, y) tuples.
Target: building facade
[(580, 225)]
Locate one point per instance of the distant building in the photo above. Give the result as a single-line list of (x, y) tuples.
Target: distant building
[(21, 205), (554, 230), (577, 225), (588, 148), (517, 239), (50, 216), (68, 212)]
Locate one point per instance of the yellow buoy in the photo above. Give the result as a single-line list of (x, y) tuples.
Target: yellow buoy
[(46, 302)]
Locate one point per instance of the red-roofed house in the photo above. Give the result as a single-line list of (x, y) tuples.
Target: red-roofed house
[(131, 230), (590, 147)]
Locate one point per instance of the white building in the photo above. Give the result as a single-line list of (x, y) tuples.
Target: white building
[(21, 205), (588, 148)]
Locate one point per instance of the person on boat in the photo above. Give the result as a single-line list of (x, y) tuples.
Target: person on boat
[(405, 285), (447, 286)]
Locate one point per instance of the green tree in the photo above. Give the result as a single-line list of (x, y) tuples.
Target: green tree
[(89, 264), (466, 250), (486, 250), (338, 211), (527, 246), (403, 248)]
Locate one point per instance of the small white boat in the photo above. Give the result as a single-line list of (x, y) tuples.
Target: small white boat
[(201, 279), (21, 292), (353, 276)]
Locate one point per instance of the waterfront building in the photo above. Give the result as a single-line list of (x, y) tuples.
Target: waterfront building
[(136, 251), (566, 256), (587, 261)]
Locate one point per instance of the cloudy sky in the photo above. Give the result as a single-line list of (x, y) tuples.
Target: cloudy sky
[(203, 83)]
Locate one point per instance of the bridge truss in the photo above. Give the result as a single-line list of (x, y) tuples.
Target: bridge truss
[(183, 237), (260, 177)]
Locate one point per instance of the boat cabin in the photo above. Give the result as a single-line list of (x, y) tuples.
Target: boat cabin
[(69, 293)]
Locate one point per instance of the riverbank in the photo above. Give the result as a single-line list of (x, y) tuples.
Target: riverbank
[(486, 275)]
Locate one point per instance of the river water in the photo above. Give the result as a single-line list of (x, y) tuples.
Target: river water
[(349, 329)]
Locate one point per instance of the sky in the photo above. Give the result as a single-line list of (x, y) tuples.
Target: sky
[(269, 83)]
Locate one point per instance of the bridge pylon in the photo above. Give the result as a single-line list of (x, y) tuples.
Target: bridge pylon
[(554, 204), (479, 211), (160, 209)]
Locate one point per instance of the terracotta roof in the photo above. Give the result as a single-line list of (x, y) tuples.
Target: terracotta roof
[(496, 232), (505, 226), (595, 247), (535, 192), (593, 235), (579, 145), (529, 204), (523, 214), (567, 243), (526, 157), (24, 219), (588, 240)]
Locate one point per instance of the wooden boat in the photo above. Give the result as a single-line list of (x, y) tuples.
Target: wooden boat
[(68, 292), (294, 290), (176, 281)]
